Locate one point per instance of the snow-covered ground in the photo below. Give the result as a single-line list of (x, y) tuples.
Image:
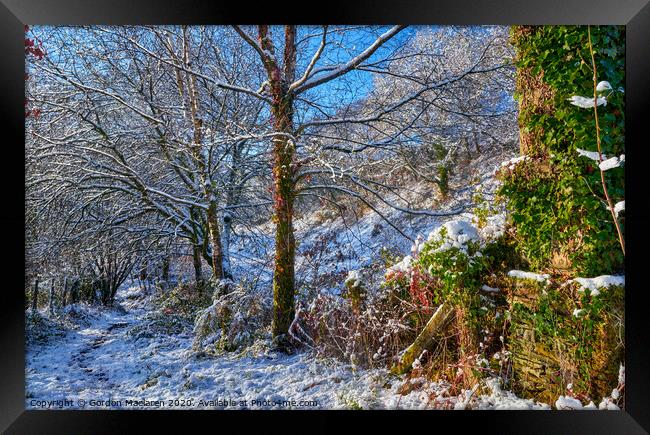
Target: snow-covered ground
[(100, 366), (101, 362)]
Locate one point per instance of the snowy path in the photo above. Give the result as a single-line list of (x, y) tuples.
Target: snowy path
[(90, 348), (101, 362)]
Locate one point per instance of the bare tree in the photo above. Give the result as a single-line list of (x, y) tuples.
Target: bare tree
[(305, 151), (131, 125)]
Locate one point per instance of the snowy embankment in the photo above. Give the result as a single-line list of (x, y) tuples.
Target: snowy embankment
[(330, 249)]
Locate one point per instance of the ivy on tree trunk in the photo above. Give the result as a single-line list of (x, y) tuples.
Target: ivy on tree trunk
[(283, 175)]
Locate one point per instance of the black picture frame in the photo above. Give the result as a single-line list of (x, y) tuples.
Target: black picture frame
[(635, 14)]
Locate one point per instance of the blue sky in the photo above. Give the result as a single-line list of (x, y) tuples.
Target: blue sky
[(358, 83)]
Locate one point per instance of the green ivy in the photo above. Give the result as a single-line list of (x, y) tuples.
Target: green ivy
[(555, 198)]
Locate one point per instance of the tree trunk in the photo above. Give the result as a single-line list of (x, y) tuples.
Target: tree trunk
[(467, 341), (424, 341), (283, 176), (165, 269), (196, 257), (215, 239), (144, 274), (74, 291), (283, 276), (227, 228), (113, 291), (64, 292), (92, 296), (194, 113), (35, 296), (50, 299)]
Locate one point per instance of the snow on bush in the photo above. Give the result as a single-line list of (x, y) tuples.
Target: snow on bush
[(612, 163), (529, 275), (234, 319), (603, 86), (610, 403), (494, 228), (567, 403), (593, 155), (510, 164), (42, 325), (619, 207), (587, 102), (500, 399), (599, 282), (158, 323), (353, 279), (402, 266), (454, 234), (371, 336), (39, 328)]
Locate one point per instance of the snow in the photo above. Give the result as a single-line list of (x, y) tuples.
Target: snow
[(459, 233), (402, 266), (353, 279), (612, 163), (460, 230), (608, 404), (499, 399), (593, 155), (603, 86), (510, 164), (603, 281), (621, 374), (103, 365), (330, 245), (619, 207), (568, 402), (489, 289), (586, 102), (528, 275), (417, 245), (494, 228), (101, 361), (571, 403)]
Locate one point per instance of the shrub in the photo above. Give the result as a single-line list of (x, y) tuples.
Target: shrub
[(450, 268), (234, 319), (185, 300)]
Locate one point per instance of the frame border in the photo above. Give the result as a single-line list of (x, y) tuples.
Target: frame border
[(635, 14)]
